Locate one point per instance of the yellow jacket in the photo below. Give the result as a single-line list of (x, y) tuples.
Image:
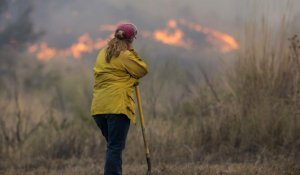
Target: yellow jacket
[(114, 83)]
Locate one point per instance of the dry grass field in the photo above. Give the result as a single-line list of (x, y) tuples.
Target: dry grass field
[(83, 167), (243, 121)]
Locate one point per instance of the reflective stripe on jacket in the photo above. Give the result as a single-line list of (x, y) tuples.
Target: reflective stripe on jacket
[(114, 83)]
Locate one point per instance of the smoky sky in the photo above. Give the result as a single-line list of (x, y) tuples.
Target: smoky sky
[(63, 20)]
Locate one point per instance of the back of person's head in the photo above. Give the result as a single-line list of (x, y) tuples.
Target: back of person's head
[(124, 35)]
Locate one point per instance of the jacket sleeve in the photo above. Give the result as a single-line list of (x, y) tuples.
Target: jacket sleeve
[(134, 65)]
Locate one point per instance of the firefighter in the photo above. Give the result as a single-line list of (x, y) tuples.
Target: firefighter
[(116, 72)]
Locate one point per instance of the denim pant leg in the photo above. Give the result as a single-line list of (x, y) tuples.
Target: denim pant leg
[(101, 122), (117, 130)]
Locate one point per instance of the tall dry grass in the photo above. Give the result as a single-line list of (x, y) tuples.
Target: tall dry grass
[(265, 87)]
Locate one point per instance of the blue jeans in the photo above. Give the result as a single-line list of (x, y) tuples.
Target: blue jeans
[(114, 128)]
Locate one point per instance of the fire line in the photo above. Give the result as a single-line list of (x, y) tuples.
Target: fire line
[(172, 35)]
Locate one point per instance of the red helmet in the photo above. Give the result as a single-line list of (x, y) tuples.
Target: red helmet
[(126, 31)]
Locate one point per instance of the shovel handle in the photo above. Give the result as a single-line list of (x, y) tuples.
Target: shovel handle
[(142, 120)]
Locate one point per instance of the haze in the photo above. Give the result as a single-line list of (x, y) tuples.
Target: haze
[(66, 20)]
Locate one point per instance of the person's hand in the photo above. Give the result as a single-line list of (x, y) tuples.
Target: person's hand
[(136, 83)]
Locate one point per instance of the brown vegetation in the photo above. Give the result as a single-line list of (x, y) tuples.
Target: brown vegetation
[(247, 124)]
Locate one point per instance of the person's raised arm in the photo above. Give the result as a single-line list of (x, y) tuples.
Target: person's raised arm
[(133, 64)]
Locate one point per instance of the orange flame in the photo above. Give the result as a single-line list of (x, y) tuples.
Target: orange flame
[(223, 41), (171, 35), (84, 45), (45, 53)]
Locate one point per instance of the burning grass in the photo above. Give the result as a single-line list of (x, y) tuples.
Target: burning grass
[(173, 35)]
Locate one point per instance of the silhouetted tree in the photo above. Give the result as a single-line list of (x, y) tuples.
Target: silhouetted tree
[(17, 27), (16, 32)]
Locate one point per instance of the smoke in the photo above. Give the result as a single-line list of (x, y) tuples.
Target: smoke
[(65, 21)]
